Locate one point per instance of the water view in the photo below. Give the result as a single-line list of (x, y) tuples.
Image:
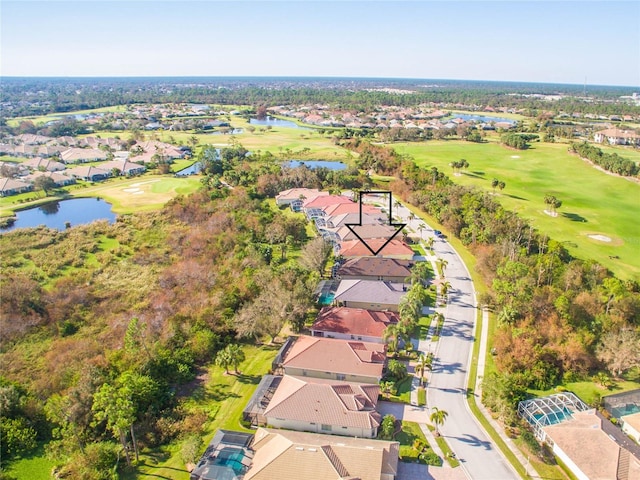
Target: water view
[(191, 170), (316, 164), (275, 122), (76, 211), (480, 118)]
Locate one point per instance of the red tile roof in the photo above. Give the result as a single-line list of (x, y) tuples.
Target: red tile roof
[(354, 321)]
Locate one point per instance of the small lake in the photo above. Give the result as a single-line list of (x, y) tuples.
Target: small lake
[(275, 122), (315, 164), (192, 170), (76, 211), (479, 118)]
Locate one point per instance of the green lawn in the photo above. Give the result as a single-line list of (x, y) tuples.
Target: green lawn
[(223, 397), (593, 202), (403, 391), (35, 466)]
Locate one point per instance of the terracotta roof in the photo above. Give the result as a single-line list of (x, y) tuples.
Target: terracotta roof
[(616, 132), (354, 321), (326, 200), (370, 291), (74, 154), (329, 402), (288, 455), (375, 267), (355, 248), (338, 221), (367, 231), (342, 208), (582, 439), (338, 356), (294, 194)]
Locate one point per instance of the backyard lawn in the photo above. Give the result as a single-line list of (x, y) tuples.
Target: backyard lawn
[(223, 397)]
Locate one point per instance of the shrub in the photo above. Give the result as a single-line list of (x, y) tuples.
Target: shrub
[(431, 458), (191, 447)]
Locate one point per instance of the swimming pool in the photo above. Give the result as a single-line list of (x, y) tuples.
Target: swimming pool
[(232, 458)]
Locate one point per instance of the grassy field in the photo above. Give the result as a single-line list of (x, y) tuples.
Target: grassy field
[(594, 203)]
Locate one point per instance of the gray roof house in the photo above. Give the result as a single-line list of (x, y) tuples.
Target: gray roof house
[(370, 294)]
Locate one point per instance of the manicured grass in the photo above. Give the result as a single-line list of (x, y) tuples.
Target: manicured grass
[(444, 446), (223, 397), (35, 466), (590, 392), (593, 202)]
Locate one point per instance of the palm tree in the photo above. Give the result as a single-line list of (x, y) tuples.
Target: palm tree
[(441, 265), (393, 334), (430, 241), (424, 364), (397, 204), (439, 318), (494, 184), (438, 417), (236, 355), (421, 227), (223, 359), (444, 289), (412, 216), (386, 388)]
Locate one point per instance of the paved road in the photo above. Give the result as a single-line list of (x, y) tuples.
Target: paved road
[(479, 456)]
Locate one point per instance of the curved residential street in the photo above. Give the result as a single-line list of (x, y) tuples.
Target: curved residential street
[(480, 458)]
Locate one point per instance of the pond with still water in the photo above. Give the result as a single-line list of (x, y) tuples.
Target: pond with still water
[(275, 122), (315, 164), (76, 211)]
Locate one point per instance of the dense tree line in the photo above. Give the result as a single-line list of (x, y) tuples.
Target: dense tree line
[(49, 95), (611, 162)]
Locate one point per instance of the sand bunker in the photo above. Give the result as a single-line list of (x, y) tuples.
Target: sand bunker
[(131, 190), (515, 156), (602, 238)]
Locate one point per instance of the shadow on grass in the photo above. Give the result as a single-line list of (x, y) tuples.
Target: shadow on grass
[(516, 197), (248, 379), (574, 217)]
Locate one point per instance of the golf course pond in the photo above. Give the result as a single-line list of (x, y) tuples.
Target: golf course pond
[(63, 214)]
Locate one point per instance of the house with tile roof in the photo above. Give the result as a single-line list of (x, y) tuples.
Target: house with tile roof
[(588, 451), (290, 455), (393, 248), (369, 294), (80, 155), (125, 167), (616, 136), (59, 179), (13, 186), (314, 207), (366, 232), (88, 173), (342, 208), (325, 406), (39, 163), (353, 324), (295, 197), (375, 268), (344, 360)]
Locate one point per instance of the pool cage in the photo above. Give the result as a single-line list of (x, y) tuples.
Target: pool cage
[(545, 411)]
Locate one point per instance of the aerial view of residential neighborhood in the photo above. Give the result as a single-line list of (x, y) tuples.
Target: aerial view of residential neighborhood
[(305, 240)]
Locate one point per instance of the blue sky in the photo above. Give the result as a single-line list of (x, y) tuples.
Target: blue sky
[(536, 41)]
